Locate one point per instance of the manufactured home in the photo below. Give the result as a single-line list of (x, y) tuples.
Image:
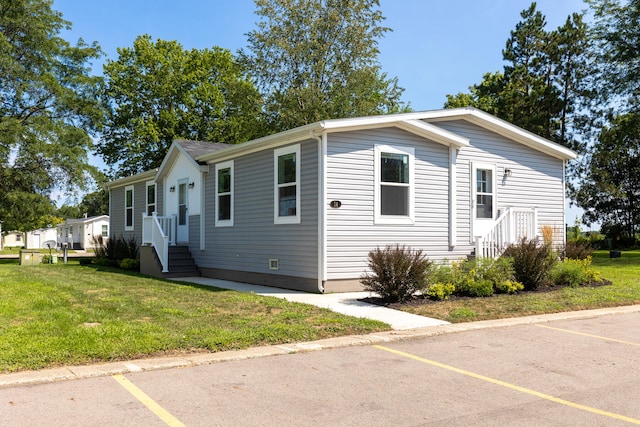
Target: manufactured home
[(301, 209), (79, 233)]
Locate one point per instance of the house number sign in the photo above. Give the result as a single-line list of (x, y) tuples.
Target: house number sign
[(335, 203)]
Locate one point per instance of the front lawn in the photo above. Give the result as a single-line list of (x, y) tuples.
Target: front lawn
[(624, 272), (59, 314)]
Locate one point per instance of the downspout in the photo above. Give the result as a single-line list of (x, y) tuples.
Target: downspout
[(322, 225)]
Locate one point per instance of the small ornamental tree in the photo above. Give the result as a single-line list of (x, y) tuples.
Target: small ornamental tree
[(397, 272)]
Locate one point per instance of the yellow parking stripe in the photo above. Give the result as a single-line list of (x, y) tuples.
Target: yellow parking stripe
[(511, 386), (589, 335), (163, 414)]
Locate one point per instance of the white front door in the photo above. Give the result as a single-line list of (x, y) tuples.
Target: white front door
[(483, 198), (183, 214)]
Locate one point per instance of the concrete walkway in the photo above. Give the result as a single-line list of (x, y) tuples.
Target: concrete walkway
[(345, 303)]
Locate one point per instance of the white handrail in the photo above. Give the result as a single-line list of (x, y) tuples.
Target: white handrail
[(157, 231), (510, 227)]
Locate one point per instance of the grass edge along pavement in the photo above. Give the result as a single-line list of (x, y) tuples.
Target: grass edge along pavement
[(54, 315), (52, 295)]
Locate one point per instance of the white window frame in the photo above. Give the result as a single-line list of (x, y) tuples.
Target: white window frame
[(474, 190), (219, 167), (394, 219), (104, 232), (155, 197), (126, 208), (290, 219)]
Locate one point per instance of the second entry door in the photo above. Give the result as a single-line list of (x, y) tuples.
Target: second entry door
[(183, 214)]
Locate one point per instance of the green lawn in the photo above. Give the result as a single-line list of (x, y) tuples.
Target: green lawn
[(59, 314), (624, 272)]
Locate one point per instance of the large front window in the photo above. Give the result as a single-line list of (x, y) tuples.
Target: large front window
[(287, 185), (394, 184), (128, 208), (224, 194)]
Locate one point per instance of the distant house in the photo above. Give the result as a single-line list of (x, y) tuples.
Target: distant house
[(79, 233), (38, 239), (301, 209), (13, 239)]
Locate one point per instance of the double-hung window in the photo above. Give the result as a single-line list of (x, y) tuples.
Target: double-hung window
[(105, 231), (128, 208), (287, 185), (394, 197), (151, 198), (484, 191), (224, 194)]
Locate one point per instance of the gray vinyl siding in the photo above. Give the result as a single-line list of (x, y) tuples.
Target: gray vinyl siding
[(536, 181), (117, 212), (254, 238), (351, 229)]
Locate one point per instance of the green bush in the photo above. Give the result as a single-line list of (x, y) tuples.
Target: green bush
[(115, 249), (574, 272), (474, 287), (532, 262), (577, 249), (130, 264), (479, 277), (440, 291), (397, 272), (508, 287)]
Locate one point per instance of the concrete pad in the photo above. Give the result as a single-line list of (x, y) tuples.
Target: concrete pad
[(345, 303)]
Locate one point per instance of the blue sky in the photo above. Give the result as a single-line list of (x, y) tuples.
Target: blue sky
[(436, 47)]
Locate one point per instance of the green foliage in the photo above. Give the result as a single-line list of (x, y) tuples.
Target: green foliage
[(440, 291), (508, 287), (543, 83), (130, 264), (318, 59), (574, 272), (478, 277), (25, 211), (48, 106), (158, 92), (397, 272), (578, 249), (610, 193), (114, 249), (532, 262)]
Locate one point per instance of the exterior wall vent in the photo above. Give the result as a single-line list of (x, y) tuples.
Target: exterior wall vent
[(274, 264)]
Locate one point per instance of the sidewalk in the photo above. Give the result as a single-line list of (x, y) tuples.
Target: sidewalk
[(344, 303)]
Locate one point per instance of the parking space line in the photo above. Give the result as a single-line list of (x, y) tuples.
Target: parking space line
[(510, 386), (569, 331), (158, 410)]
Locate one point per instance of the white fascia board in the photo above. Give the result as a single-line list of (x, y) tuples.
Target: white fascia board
[(433, 133), (504, 128), (143, 176)]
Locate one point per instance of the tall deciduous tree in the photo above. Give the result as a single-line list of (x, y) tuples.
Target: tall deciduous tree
[(48, 108), (157, 92), (610, 192), (318, 59)]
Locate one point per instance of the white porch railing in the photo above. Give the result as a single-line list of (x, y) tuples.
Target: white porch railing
[(159, 231), (510, 227)]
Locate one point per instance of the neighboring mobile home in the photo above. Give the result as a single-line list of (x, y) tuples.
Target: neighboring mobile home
[(38, 239), (301, 209), (79, 233)]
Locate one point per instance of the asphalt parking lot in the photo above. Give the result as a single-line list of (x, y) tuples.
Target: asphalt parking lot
[(562, 373)]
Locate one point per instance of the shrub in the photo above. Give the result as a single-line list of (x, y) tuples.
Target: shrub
[(532, 262), (130, 264), (115, 249), (477, 277), (397, 273), (508, 287), (574, 272), (474, 287), (440, 291), (577, 249)]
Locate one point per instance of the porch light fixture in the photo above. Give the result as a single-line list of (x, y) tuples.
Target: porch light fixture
[(191, 185), (507, 172), (172, 188)]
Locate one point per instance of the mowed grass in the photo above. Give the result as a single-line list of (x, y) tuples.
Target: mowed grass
[(53, 315), (623, 272)]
